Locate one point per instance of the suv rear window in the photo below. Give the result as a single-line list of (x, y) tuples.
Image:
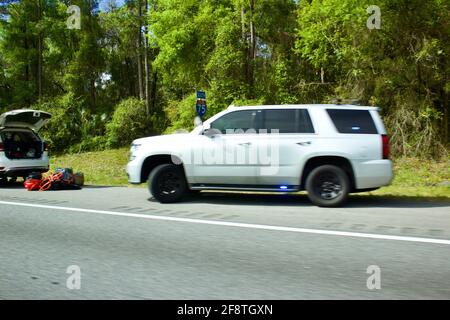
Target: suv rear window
[(353, 121)]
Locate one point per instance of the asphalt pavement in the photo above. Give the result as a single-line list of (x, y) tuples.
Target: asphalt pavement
[(219, 246)]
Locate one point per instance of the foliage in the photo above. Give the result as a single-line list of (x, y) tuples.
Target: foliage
[(128, 122), (181, 114), (65, 127), (153, 58), (97, 143), (402, 68)]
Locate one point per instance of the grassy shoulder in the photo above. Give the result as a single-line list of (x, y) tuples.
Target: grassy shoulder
[(413, 177), (100, 168), (419, 178)]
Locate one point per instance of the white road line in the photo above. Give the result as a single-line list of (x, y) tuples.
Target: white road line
[(237, 224)]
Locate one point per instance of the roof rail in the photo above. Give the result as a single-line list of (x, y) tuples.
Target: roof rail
[(340, 101)]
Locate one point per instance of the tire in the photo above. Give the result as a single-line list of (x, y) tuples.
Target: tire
[(167, 183), (328, 186)]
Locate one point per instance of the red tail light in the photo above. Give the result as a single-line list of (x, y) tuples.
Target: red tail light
[(385, 140), (46, 146), (2, 147)]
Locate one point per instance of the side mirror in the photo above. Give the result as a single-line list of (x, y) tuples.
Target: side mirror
[(211, 133)]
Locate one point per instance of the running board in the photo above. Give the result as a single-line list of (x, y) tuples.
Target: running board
[(230, 187)]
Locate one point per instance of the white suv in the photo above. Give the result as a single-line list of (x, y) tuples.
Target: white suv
[(327, 150), (22, 151)]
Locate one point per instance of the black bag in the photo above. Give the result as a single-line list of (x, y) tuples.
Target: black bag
[(67, 181), (67, 173)]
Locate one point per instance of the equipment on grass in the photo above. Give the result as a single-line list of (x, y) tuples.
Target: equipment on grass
[(62, 179)]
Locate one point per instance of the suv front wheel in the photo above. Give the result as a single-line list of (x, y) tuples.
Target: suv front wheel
[(328, 186), (167, 183)]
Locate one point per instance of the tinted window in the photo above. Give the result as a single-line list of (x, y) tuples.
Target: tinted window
[(287, 121), (238, 120), (353, 121)]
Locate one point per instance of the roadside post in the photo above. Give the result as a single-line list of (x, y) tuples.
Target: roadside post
[(200, 105)]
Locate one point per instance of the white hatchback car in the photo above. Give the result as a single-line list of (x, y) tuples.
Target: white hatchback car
[(22, 151)]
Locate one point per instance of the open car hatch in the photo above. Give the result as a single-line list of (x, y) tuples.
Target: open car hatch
[(24, 118)]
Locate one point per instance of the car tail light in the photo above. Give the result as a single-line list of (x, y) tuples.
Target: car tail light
[(2, 147), (385, 140), (46, 146)]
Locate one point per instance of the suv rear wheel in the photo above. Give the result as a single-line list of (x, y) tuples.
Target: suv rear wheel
[(328, 186), (167, 183)]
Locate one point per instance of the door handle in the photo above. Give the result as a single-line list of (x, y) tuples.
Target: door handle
[(304, 143), (245, 144)]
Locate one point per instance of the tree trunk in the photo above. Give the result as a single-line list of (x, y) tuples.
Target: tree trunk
[(252, 50), (27, 65), (252, 31), (93, 91), (146, 65), (40, 52), (139, 55), (446, 124), (93, 74), (153, 93), (243, 23)]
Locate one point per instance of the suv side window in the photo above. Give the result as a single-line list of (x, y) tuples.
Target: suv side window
[(353, 121), (237, 120), (287, 121)]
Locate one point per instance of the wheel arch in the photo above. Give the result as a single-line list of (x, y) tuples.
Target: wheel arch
[(151, 162), (318, 161)]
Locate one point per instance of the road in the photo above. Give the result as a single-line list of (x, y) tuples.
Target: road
[(219, 246)]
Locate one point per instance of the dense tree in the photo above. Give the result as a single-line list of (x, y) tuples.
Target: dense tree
[(20, 52), (155, 53), (402, 67)]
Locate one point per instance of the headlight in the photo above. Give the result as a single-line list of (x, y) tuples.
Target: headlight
[(133, 150), (134, 147)]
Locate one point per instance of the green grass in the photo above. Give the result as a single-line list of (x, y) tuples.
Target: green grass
[(418, 178), (99, 168), (413, 177)]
